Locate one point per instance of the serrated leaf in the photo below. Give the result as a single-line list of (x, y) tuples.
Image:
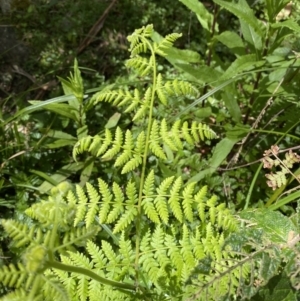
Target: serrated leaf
[(204, 16), (275, 226)]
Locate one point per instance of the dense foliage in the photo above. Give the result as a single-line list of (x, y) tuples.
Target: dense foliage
[(150, 185)]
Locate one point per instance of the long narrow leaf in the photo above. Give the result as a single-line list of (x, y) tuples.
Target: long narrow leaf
[(39, 106)]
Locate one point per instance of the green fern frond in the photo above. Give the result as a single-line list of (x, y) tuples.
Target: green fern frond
[(128, 256), (141, 65), (167, 136), (139, 37), (188, 201), (174, 200), (81, 146), (20, 295), (127, 150), (54, 290), (166, 43), (154, 142), (161, 201), (81, 204), (93, 207), (144, 107), (106, 142), (106, 200), (18, 232), (131, 210), (13, 276), (148, 206), (117, 144), (118, 205), (98, 257), (180, 88), (78, 237), (136, 100), (160, 90)]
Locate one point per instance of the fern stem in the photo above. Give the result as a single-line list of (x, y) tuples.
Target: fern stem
[(139, 207), (68, 268)]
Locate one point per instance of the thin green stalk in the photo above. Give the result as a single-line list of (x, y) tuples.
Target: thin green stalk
[(139, 206), (82, 271)]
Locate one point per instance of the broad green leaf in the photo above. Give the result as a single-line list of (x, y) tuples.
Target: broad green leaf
[(275, 226), (230, 99), (202, 74), (242, 63), (278, 289), (39, 106), (45, 177), (243, 12), (60, 143), (113, 121), (233, 41), (238, 131), (60, 175), (87, 171), (82, 132), (59, 108), (254, 40), (205, 18), (291, 24), (58, 135), (221, 151)]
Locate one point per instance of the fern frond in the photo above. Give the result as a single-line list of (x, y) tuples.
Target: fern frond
[(78, 237), (54, 290), (113, 267), (81, 146), (127, 152), (160, 90), (118, 206), (180, 88), (93, 208), (131, 210), (81, 205), (106, 200), (20, 295), (80, 260), (68, 282), (188, 201), (95, 145), (128, 255), (187, 249), (106, 142), (13, 276), (139, 37), (126, 219), (117, 144), (175, 136), (166, 43), (141, 65), (148, 206), (174, 199), (161, 201), (144, 107), (167, 136), (154, 142), (136, 100), (19, 232)]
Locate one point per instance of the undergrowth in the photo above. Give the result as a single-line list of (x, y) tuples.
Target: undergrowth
[(141, 223)]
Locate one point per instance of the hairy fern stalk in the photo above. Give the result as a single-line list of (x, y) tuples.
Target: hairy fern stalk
[(152, 238)]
